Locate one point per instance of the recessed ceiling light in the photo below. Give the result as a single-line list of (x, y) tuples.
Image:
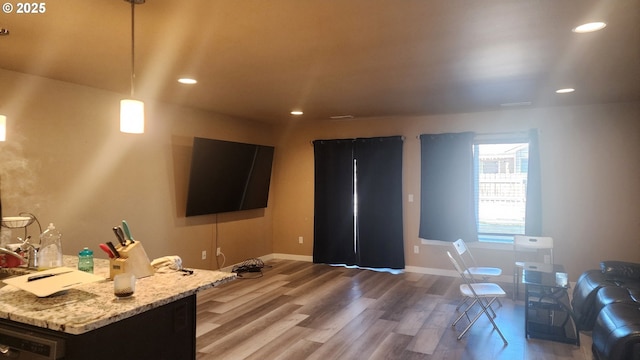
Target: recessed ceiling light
[(589, 27), (187, 81), (565, 90), (296, 112)]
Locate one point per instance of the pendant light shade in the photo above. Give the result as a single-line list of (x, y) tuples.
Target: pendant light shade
[(132, 111), (131, 116), (3, 128)]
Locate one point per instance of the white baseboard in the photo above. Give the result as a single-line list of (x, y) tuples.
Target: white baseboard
[(411, 269), (430, 271), (306, 258), (275, 256)]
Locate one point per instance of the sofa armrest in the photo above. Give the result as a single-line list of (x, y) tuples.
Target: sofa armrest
[(620, 269)]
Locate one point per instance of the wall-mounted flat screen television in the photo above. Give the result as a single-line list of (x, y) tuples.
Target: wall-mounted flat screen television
[(228, 176)]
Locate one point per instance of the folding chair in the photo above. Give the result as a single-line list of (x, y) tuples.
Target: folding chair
[(471, 268), (523, 247), (479, 292)]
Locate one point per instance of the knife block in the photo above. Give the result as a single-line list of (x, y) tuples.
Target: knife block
[(133, 259)]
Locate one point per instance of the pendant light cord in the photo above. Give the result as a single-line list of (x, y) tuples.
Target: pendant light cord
[(133, 4)]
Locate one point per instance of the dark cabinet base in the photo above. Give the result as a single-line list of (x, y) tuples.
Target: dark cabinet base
[(166, 332)]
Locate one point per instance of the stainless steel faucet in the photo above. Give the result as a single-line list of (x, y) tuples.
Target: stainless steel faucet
[(32, 256), (26, 252), (32, 253)]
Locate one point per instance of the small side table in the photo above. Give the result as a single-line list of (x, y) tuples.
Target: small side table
[(548, 314)]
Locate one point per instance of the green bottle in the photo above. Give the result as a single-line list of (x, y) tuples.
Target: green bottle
[(85, 260)]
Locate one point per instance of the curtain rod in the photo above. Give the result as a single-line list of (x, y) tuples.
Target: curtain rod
[(354, 139), (513, 133)]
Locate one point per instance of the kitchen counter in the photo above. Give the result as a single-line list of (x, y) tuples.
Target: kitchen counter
[(91, 306)]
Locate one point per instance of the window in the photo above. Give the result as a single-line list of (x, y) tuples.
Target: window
[(479, 186), (500, 182)]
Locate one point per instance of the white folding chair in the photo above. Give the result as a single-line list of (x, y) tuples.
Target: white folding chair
[(528, 249), (479, 292), (471, 268), (476, 272)]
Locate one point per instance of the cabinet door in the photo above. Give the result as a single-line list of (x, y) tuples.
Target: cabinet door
[(167, 332)]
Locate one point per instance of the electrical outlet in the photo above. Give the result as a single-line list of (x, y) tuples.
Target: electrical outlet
[(416, 249), (204, 254), (218, 251), (300, 239)]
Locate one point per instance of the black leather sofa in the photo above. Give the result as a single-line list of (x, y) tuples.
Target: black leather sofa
[(607, 302)]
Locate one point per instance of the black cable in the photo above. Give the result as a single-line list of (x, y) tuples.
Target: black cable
[(215, 249), (249, 266), (243, 277)]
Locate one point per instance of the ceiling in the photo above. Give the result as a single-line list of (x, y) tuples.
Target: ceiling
[(259, 59)]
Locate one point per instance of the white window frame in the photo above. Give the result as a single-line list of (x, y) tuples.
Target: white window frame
[(504, 138)]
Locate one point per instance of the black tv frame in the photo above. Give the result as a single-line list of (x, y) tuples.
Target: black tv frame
[(227, 176)]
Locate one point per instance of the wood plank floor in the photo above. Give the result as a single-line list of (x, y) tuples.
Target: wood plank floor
[(300, 310)]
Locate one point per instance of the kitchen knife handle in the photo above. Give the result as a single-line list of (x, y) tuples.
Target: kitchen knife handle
[(38, 277), (121, 236), (127, 231), (107, 250), (113, 249), (117, 230)]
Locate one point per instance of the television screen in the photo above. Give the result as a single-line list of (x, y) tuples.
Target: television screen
[(228, 176)]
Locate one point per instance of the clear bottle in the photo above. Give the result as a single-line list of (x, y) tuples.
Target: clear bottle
[(85, 260), (50, 252)]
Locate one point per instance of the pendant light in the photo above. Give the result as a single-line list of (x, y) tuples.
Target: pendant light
[(3, 128), (131, 110)]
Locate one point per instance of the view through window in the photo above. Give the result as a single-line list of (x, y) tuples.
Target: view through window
[(501, 190)]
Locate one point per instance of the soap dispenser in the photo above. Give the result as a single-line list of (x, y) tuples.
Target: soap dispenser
[(50, 253)]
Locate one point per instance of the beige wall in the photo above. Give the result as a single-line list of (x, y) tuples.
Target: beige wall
[(66, 162), (590, 170)]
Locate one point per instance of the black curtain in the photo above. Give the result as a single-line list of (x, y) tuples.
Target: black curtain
[(447, 207), (333, 214), (379, 189), (533, 212), (377, 163)]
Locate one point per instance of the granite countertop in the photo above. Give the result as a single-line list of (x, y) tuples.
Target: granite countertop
[(91, 306)]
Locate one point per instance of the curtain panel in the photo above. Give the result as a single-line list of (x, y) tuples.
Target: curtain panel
[(333, 214), (447, 206), (533, 211), (380, 241), (369, 170)]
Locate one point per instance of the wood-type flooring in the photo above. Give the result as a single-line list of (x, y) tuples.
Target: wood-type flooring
[(300, 310)]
